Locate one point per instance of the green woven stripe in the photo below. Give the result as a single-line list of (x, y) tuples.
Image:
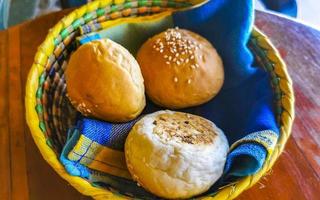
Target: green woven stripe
[(49, 142), (39, 92), (42, 78), (87, 17), (156, 3), (100, 12), (64, 33), (39, 108), (171, 4), (56, 41), (42, 126), (76, 23), (127, 5), (114, 8), (278, 110), (275, 81), (143, 3), (269, 66), (278, 96)]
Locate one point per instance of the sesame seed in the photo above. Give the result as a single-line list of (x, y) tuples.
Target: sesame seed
[(168, 63), (187, 60), (178, 63), (189, 81), (157, 49), (193, 66), (175, 79), (192, 57), (170, 58), (165, 56), (197, 65), (161, 50), (177, 54)]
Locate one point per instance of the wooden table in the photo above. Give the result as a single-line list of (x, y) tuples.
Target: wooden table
[(296, 175)]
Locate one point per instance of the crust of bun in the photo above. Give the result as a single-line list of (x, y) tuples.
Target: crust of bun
[(180, 68), (104, 81), (168, 166)]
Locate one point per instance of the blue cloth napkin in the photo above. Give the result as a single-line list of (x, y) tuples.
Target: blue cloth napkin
[(243, 109)]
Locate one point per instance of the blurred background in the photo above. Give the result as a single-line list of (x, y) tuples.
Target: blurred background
[(13, 12)]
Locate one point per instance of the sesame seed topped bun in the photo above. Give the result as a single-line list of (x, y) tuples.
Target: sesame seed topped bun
[(180, 68), (175, 155)]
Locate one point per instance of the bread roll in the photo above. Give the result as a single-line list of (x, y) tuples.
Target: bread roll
[(104, 81), (174, 154), (180, 68)]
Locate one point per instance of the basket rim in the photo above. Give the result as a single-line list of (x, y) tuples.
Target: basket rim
[(84, 187)]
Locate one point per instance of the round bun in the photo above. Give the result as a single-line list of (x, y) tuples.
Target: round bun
[(104, 81), (180, 68), (175, 155)]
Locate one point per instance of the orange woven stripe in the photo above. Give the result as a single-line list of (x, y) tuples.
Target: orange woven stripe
[(127, 12)]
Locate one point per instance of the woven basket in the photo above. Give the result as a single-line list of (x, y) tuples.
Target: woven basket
[(45, 91)]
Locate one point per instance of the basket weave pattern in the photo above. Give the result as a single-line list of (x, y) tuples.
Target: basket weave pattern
[(49, 113)]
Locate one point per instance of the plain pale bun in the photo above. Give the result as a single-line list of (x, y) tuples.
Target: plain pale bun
[(175, 155), (180, 69), (104, 81)]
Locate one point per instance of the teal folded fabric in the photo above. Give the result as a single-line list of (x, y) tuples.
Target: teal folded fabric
[(243, 109)]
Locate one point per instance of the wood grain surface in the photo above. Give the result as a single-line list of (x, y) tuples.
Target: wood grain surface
[(25, 175)]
